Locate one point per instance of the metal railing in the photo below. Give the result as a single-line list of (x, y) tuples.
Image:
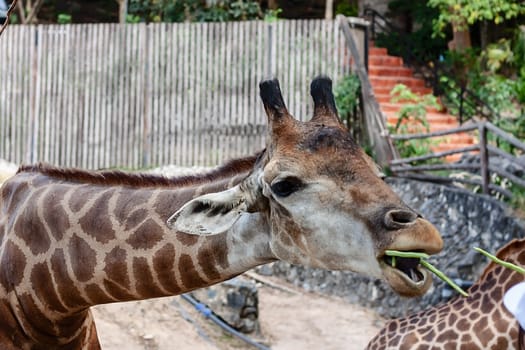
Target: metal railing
[(479, 174)]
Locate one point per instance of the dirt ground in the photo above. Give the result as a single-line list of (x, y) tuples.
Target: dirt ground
[(289, 321)]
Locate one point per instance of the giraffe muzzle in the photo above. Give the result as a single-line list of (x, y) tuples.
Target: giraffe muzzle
[(407, 278), (412, 233)]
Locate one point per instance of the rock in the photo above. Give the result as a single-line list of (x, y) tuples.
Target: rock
[(235, 301)]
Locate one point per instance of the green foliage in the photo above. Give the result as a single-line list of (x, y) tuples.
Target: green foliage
[(498, 54), (412, 118), (423, 47), (518, 48), (347, 9), (272, 15), (489, 75), (192, 10), (462, 13), (64, 18), (346, 94)]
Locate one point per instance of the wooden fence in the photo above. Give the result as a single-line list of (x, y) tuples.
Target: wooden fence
[(137, 95)]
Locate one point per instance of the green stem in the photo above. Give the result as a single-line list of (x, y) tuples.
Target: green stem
[(406, 254), (441, 275), (425, 264), (501, 262)]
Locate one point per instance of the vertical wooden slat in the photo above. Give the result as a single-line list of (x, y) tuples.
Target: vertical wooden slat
[(113, 95), (196, 87), (67, 98), (75, 112), (213, 101)]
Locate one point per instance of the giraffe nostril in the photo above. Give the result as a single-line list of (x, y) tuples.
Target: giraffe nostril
[(398, 218)]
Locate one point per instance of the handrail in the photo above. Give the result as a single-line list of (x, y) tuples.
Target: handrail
[(374, 120), (404, 167)]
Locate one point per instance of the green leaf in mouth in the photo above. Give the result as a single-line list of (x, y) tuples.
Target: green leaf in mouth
[(422, 260)]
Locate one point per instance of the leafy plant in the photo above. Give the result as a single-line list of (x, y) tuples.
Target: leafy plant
[(412, 119), (64, 18), (346, 94), (272, 15), (462, 13), (347, 9), (497, 54), (192, 10)]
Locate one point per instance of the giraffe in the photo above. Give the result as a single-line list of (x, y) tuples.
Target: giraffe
[(72, 238), (479, 321)]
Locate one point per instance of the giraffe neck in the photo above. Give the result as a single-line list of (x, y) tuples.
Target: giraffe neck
[(81, 244)]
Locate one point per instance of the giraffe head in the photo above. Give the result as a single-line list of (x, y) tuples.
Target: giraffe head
[(323, 199)]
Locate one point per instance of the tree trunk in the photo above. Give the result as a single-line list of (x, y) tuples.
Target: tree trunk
[(460, 38), (329, 10), (273, 5), (484, 34), (33, 11), (123, 11)]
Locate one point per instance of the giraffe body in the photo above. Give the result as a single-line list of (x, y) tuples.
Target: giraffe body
[(70, 239), (479, 321), (108, 243)]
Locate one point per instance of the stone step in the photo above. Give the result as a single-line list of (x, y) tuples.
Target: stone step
[(390, 82), (382, 93), (391, 71), (432, 118), (372, 51), (385, 72), (394, 108), (385, 60)]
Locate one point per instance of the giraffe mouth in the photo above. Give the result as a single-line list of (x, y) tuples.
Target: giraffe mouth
[(408, 266), (406, 276)]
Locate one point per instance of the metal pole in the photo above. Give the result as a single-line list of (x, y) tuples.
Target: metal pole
[(269, 51), (484, 158)]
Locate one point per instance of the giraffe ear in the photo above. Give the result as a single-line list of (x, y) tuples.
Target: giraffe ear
[(210, 214)]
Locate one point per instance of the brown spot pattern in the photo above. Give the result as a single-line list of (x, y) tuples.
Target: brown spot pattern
[(144, 279), (65, 285), (96, 221), (116, 267), (128, 201), (164, 266), (29, 228), (168, 202), (186, 239), (54, 214), (81, 196), (83, 258), (70, 324), (207, 260), (38, 319), (117, 292), (96, 294), (13, 264), (189, 275), (42, 283), (135, 218), (521, 258), (146, 235), (14, 193)]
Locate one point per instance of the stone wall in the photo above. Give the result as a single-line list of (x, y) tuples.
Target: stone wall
[(465, 221)]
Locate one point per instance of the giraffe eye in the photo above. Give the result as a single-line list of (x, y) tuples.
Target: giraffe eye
[(287, 186)]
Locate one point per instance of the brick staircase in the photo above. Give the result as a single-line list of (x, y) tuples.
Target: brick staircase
[(385, 72)]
